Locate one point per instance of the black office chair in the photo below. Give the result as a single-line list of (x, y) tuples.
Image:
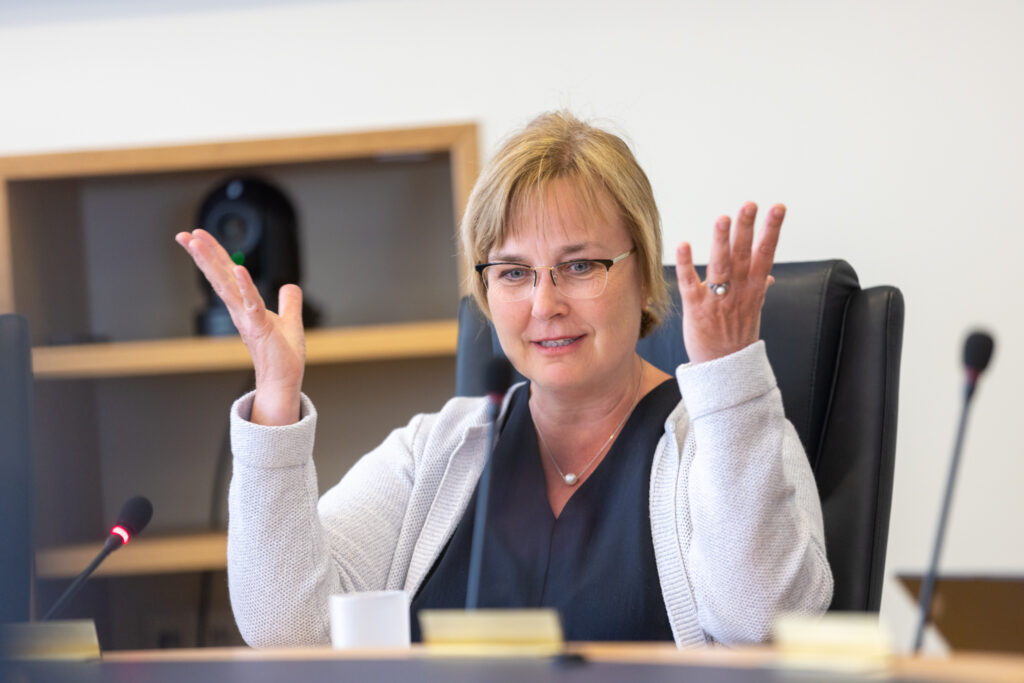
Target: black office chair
[(835, 349), (15, 469)]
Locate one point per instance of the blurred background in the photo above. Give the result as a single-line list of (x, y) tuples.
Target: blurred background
[(892, 130)]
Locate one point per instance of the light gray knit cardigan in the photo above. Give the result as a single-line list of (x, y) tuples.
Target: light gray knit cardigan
[(735, 517)]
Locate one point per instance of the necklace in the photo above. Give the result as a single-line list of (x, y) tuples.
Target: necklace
[(570, 478)]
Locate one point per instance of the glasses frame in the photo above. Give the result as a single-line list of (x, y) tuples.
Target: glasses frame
[(606, 262)]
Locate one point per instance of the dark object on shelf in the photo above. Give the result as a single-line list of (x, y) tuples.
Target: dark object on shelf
[(255, 222)]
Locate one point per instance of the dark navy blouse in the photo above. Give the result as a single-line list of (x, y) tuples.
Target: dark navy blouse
[(594, 563)]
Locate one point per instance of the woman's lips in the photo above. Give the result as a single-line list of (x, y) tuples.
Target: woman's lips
[(556, 343)]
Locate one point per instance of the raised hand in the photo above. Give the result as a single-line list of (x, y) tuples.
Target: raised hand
[(719, 320), (276, 341)]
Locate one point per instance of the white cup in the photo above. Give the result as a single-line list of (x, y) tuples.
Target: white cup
[(370, 620)]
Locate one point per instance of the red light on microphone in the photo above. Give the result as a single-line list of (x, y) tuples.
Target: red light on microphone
[(122, 532)]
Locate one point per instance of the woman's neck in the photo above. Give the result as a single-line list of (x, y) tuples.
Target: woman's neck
[(584, 406)]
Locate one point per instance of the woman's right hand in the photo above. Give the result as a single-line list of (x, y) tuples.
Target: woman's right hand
[(275, 341)]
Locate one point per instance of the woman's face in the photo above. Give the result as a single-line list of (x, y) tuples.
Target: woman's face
[(563, 344)]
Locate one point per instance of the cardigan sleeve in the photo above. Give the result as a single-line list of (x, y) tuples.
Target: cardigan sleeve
[(756, 543), (287, 552)]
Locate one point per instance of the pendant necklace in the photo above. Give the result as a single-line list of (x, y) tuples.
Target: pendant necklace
[(571, 479)]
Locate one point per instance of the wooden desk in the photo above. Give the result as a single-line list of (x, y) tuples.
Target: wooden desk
[(649, 662)]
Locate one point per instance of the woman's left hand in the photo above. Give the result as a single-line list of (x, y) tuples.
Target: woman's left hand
[(715, 325)]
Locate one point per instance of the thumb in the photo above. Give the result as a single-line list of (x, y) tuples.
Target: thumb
[(289, 299)]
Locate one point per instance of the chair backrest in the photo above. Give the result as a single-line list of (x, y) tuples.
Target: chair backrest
[(835, 349), (15, 469)]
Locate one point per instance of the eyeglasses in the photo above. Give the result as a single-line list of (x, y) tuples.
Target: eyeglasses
[(578, 279)]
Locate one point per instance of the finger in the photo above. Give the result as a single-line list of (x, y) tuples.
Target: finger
[(764, 250), (742, 239), (690, 288), (214, 253), (251, 299), (216, 265), (213, 248), (720, 264), (289, 299)]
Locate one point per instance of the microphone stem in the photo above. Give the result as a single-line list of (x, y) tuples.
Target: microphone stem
[(928, 582), (113, 543)]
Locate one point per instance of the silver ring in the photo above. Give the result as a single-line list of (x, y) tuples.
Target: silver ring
[(718, 288)]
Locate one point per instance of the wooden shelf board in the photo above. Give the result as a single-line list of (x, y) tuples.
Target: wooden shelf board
[(204, 354), (160, 555), (329, 147)]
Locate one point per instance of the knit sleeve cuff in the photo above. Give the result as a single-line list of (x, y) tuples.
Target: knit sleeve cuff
[(725, 382), (269, 447)]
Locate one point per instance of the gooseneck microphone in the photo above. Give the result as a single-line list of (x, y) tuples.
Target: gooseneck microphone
[(135, 515), (977, 354), (499, 374)]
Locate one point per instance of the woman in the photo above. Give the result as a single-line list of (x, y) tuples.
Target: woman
[(641, 506)]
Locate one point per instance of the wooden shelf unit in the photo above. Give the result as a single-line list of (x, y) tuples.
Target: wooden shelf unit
[(29, 184), (124, 395)]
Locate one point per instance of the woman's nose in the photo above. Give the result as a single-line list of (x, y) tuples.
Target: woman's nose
[(546, 297)]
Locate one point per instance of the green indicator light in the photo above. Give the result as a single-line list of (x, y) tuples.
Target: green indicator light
[(238, 257)]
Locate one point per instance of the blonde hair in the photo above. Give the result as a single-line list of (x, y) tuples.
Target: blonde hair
[(556, 146)]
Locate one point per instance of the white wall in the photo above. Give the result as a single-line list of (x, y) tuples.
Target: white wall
[(891, 129)]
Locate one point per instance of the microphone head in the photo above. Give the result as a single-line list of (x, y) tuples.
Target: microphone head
[(499, 376), (978, 351), (135, 515)]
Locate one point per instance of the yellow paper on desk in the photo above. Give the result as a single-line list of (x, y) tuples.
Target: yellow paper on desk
[(492, 632), (836, 641), (73, 639)]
